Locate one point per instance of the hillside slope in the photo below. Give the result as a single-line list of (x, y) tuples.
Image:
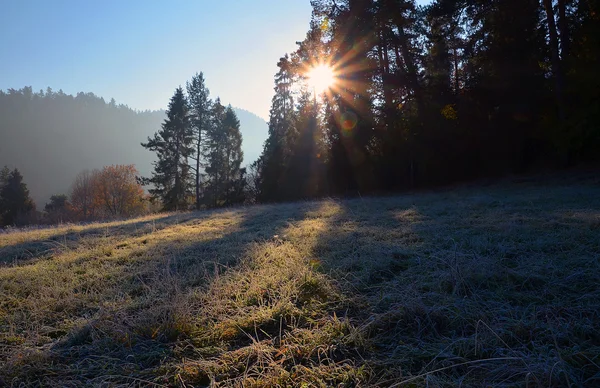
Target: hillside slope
[(495, 286), (53, 136)]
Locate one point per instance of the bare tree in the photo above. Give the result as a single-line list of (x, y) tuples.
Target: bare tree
[(83, 194)]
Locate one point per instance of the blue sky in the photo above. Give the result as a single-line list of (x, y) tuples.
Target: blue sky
[(138, 52)]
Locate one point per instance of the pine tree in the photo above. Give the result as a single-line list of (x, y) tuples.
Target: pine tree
[(59, 209), (223, 153), (353, 37), (304, 173), (174, 146), (212, 151), (15, 204), (277, 149), (200, 105), (234, 175), (4, 174)]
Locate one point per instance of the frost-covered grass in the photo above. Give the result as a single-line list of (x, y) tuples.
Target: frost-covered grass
[(476, 286)]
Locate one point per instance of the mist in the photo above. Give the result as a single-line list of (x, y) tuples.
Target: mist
[(51, 136)]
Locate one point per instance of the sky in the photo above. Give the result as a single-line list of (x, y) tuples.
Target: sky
[(139, 51)]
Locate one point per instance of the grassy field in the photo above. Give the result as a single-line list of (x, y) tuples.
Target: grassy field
[(475, 286)]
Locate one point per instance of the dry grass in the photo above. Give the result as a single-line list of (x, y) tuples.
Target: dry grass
[(495, 286)]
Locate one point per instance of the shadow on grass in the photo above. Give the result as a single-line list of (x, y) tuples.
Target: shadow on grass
[(141, 317), (465, 283)]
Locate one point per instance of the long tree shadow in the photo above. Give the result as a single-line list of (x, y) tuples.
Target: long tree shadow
[(133, 323), (443, 280)]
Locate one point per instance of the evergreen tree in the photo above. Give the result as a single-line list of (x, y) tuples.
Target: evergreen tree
[(212, 151), (200, 105), (58, 209), (304, 175), (234, 174), (352, 128), (15, 204), (282, 135), (223, 154), (4, 174), (174, 146)]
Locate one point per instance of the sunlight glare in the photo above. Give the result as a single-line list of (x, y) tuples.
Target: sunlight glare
[(321, 77)]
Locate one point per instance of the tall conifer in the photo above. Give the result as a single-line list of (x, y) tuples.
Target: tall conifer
[(173, 145)]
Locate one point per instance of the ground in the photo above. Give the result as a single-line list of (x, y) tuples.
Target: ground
[(492, 285)]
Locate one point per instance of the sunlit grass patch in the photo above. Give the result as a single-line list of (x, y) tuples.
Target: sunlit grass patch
[(19, 236)]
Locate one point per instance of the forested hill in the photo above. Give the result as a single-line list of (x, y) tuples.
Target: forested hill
[(51, 136)]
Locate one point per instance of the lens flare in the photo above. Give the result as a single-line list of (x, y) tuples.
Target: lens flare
[(348, 121), (321, 77)]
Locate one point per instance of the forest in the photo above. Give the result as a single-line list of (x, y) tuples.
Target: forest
[(413, 97), (427, 96)]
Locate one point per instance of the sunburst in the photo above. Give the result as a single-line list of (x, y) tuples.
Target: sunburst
[(321, 77)]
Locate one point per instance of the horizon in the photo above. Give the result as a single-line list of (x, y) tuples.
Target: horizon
[(107, 100)]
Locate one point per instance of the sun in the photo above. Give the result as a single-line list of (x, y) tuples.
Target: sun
[(320, 78)]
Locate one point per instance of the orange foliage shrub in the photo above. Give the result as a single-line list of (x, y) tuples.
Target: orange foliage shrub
[(108, 193)]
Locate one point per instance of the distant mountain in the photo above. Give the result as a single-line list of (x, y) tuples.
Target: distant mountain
[(254, 133), (51, 136)]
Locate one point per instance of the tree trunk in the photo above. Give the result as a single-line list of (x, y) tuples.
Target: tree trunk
[(177, 178), (198, 170), (456, 79), (411, 68), (563, 26), (384, 68), (556, 65)]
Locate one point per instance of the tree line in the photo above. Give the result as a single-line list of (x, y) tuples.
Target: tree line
[(424, 96), (50, 136), (199, 152), (109, 193)]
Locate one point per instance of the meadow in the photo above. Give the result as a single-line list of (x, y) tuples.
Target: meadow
[(477, 285)]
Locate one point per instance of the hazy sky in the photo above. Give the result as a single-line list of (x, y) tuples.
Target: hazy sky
[(139, 51)]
